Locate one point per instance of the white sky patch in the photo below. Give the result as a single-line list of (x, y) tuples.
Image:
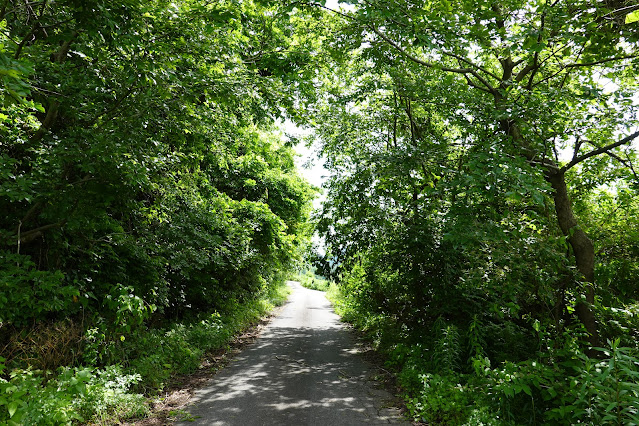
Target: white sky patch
[(336, 5), (311, 167), (308, 162)]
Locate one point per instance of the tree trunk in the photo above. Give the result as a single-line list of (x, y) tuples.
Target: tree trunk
[(582, 248)]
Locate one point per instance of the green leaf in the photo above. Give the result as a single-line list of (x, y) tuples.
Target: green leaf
[(632, 17), (12, 407)]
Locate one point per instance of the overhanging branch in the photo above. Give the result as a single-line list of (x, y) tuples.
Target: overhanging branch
[(429, 64), (603, 61), (598, 151)]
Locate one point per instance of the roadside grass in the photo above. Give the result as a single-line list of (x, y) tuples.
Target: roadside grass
[(312, 281), (438, 389), (149, 359)]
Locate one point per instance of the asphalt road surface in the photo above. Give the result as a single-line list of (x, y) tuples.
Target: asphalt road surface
[(302, 370)]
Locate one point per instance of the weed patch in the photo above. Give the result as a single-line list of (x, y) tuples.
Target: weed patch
[(443, 386), (150, 360)]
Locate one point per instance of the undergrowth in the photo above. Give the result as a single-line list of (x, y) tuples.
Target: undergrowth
[(148, 359), (449, 380)]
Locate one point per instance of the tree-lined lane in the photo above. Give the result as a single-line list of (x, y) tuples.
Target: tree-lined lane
[(303, 370)]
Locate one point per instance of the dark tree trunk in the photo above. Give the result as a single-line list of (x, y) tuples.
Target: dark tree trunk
[(582, 248)]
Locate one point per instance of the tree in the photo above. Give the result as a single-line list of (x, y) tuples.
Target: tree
[(140, 156), (532, 75)]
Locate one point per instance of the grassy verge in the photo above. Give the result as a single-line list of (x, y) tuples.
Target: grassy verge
[(310, 280), (150, 359), (562, 387), (444, 398)]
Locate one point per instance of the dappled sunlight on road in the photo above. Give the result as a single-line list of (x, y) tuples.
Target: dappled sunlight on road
[(304, 369)]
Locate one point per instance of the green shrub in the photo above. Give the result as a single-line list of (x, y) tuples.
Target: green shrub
[(560, 385), (107, 396), (447, 348), (441, 400), (73, 395), (28, 294), (602, 391), (209, 333), (278, 294)]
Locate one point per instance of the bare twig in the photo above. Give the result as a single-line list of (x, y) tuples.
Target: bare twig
[(19, 229)]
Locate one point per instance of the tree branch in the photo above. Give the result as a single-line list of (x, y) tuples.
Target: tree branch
[(61, 54), (114, 107), (535, 64), (598, 151), (475, 85), (34, 28), (622, 11), (52, 114), (32, 234), (428, 64), (472, 64), (575, 152), (603, 61), (52, 111), (24, 40), (548, 164), (30, 212), (525, 70), (552, 55)]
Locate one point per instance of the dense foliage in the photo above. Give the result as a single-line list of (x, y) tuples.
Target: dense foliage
[(137, 163), (481, 216), (142, 179)]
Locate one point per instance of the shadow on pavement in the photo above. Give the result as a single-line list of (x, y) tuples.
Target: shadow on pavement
[(297, 376)]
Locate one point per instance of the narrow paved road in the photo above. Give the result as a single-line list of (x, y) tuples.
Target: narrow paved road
[(302, 370)]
